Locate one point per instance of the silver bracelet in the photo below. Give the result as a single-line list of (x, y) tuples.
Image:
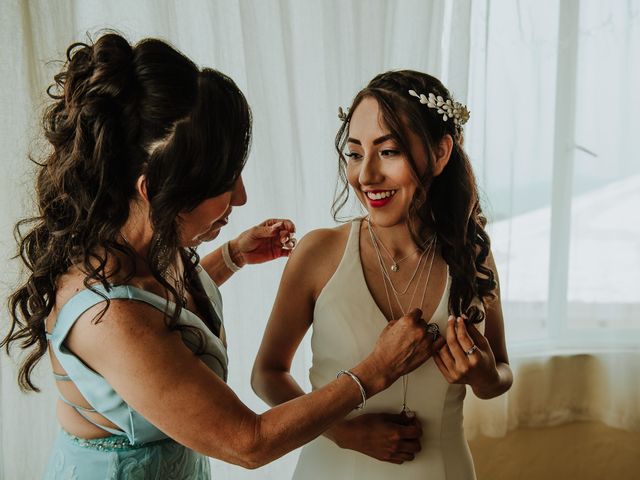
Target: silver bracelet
[(357, 380), (226, 256)]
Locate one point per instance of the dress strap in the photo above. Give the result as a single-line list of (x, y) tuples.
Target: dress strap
[(353, 242), (75, 407), (81, 411), (90, 297), (94, 388), (61, 378)]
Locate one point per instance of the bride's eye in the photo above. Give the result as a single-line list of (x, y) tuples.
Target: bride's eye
[(352, 155)]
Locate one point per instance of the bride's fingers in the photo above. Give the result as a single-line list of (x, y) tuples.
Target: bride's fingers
[(453, 341), (466, 342), (443, 368), (445, 355)]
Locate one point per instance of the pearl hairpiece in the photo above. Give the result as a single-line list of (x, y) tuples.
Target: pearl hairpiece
[(447, 108)]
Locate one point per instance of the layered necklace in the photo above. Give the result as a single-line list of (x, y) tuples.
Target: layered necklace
[(427, 256), (395, 264)]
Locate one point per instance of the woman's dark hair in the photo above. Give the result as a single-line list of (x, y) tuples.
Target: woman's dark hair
[(447, 204), (119, 111)]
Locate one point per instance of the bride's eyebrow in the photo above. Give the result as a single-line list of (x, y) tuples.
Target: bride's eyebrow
[(377, 141)]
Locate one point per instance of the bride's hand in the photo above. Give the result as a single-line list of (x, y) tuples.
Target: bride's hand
[(467, 357), (384, 436), (271, 239)]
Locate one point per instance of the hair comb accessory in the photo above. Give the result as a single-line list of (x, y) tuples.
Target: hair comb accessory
[(447, 108)]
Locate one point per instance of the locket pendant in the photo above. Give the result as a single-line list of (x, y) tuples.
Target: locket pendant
[(407, 413), (395, 267)]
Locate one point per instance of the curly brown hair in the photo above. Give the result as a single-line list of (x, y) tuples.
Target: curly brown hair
[(119, 111), (447, 204)]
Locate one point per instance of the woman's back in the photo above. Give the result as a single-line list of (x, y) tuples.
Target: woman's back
[(109, 438)]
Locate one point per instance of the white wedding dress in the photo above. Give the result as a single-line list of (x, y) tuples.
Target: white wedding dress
[(346, 325)]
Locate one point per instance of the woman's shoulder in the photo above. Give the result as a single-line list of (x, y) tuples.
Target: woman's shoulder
[(72, 288)]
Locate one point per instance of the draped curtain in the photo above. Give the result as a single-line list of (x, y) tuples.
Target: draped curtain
[(550, 89)]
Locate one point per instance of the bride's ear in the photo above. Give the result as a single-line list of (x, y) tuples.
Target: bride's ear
[(442, 154)]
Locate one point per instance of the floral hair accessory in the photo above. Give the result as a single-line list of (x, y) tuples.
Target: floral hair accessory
[(447, 108)]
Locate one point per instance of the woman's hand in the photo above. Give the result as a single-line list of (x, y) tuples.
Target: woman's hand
[(384, 436), (271, 239), (467, 357), (403, 346)]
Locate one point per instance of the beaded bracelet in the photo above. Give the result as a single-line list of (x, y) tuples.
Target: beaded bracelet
[(357, 380)]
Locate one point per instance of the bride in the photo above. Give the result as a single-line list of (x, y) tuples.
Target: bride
[(421, 245)]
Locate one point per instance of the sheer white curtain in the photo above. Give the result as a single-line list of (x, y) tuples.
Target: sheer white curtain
[(550, 88), (296, 61), (557, 159)]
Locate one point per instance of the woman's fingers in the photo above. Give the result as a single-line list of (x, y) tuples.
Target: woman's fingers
[(409, 446), (283, 224)]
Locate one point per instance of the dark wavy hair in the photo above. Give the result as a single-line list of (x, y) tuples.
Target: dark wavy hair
[(119, 111), (447, 204)]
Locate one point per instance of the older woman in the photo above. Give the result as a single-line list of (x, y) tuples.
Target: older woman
[(146, 162)]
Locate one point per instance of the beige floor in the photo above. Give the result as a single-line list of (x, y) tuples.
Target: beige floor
[(581, 451)]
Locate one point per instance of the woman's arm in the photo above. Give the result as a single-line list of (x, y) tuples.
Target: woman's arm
[(494, 333), (215, 266), (487, 369), (258, 244), (159, 377)]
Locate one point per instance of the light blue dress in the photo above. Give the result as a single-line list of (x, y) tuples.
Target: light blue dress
[(137, 450)]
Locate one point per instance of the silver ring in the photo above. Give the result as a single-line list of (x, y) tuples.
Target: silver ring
[(434, 330), (471, 350)]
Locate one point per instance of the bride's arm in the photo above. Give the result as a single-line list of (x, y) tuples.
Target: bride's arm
[(291, 317)]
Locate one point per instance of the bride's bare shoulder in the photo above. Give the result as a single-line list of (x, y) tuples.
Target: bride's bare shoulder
[(318, 255), (323, 243)]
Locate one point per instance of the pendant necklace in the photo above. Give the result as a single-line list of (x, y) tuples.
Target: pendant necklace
[(395, 264), (375, 240), (385, 277)]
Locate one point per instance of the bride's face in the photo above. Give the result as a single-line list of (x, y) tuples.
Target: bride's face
[(377, 169)]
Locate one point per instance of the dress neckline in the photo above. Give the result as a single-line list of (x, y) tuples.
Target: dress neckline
[(355, 238)]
